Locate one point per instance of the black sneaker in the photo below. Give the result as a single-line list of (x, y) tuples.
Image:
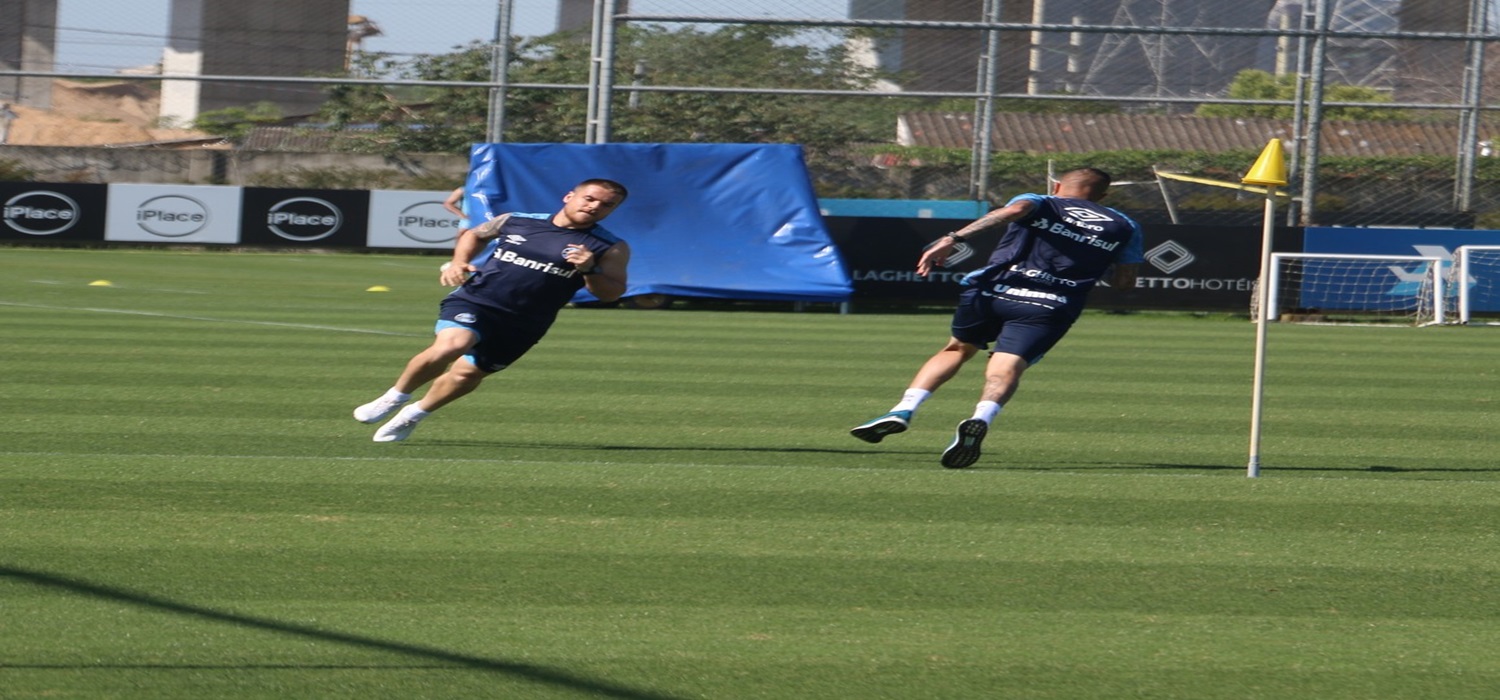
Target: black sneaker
[(966, 441), (888, 424)]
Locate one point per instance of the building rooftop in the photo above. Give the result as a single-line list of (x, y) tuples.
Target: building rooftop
[(1082, 133)]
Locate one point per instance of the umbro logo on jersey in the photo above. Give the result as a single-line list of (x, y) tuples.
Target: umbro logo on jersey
[(1088, 215), (514, 239)]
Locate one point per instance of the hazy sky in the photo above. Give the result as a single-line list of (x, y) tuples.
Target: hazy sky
[(107, 35)]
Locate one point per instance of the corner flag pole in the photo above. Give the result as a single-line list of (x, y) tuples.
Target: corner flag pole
[(1269, 171)]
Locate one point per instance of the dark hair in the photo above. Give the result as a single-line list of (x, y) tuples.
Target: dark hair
[(1094, 180), (610, 185), (1099, 177)]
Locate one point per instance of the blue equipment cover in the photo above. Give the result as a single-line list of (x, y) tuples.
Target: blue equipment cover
[(721, 221)]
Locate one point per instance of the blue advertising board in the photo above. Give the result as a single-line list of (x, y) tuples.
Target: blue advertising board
[(720, 221), (1438, 243)]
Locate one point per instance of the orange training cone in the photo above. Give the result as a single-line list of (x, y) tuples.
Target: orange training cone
[(1270, 168)]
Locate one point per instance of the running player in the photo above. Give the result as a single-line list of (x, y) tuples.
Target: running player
[(506, 301), (1054, 250)]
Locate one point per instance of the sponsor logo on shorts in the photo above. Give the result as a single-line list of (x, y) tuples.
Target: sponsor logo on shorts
[(1033, 294)]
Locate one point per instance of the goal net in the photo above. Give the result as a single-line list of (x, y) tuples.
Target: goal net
[(1477, 278), (1338, 288)]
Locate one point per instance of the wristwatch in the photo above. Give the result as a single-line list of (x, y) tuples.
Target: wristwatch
[(591, 271), (956, 238)]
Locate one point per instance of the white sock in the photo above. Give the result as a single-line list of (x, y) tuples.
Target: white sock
[(986, 411), (414, 412), (395, 394), (912, 399)]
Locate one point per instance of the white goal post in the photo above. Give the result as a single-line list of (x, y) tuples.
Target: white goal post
[(1477, 277), (1333, 288)]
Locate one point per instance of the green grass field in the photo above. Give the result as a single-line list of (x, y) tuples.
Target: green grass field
[(667, 504)]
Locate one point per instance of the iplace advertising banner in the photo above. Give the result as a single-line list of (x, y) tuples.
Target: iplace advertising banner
[(288, 218), (411, 219), (52, 211), (208, 215)]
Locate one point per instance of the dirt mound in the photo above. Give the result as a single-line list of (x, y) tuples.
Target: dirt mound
[(95, 114)]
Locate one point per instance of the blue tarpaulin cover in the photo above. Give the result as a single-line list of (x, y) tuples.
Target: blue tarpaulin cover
[(721, 221)]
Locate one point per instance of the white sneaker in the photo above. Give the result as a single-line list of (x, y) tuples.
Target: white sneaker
[(379, 408), (399, 428)]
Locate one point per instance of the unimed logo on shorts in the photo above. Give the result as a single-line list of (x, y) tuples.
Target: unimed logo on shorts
[(304, 219), (41, 212)]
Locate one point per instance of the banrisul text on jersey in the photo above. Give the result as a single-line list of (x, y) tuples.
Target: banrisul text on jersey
[(1058, 252)]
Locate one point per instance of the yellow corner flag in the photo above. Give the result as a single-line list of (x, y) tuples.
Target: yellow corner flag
[(1270, 168)]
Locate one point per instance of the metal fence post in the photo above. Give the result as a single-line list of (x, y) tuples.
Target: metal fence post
[(601, 72), (1468, 118), (499, 72), (979, 181), (1312, 142)]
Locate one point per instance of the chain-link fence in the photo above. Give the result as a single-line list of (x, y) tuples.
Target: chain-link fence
[(1381, 103)]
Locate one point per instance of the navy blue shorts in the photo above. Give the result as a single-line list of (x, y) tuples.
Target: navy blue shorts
[(1023, 328), (503, 338)]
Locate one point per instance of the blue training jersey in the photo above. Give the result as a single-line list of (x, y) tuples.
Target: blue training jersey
[(1062, 249), (523, 272)]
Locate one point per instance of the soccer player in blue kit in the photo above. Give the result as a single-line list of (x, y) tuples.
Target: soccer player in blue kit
[(1054, 250), (508, 300)]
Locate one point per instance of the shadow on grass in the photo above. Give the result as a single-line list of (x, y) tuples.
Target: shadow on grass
[(855, 450), (529, 672), (997, 462)]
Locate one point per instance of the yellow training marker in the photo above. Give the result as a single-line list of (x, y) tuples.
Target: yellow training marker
[(101, 283), (379, 288), (1270, 168)]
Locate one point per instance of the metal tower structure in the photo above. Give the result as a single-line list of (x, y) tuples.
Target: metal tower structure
[(1176, 65), (1364, 62), (1158, 65), (1170, 65)]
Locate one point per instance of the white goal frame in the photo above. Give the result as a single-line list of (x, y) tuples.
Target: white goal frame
[(1430, 306), (1463, 262)]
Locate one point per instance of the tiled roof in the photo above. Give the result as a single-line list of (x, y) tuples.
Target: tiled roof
[(288, 138), (1082, 133)]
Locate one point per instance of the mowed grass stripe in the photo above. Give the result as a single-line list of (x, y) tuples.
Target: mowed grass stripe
[(1154, 404), (547, 576)]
